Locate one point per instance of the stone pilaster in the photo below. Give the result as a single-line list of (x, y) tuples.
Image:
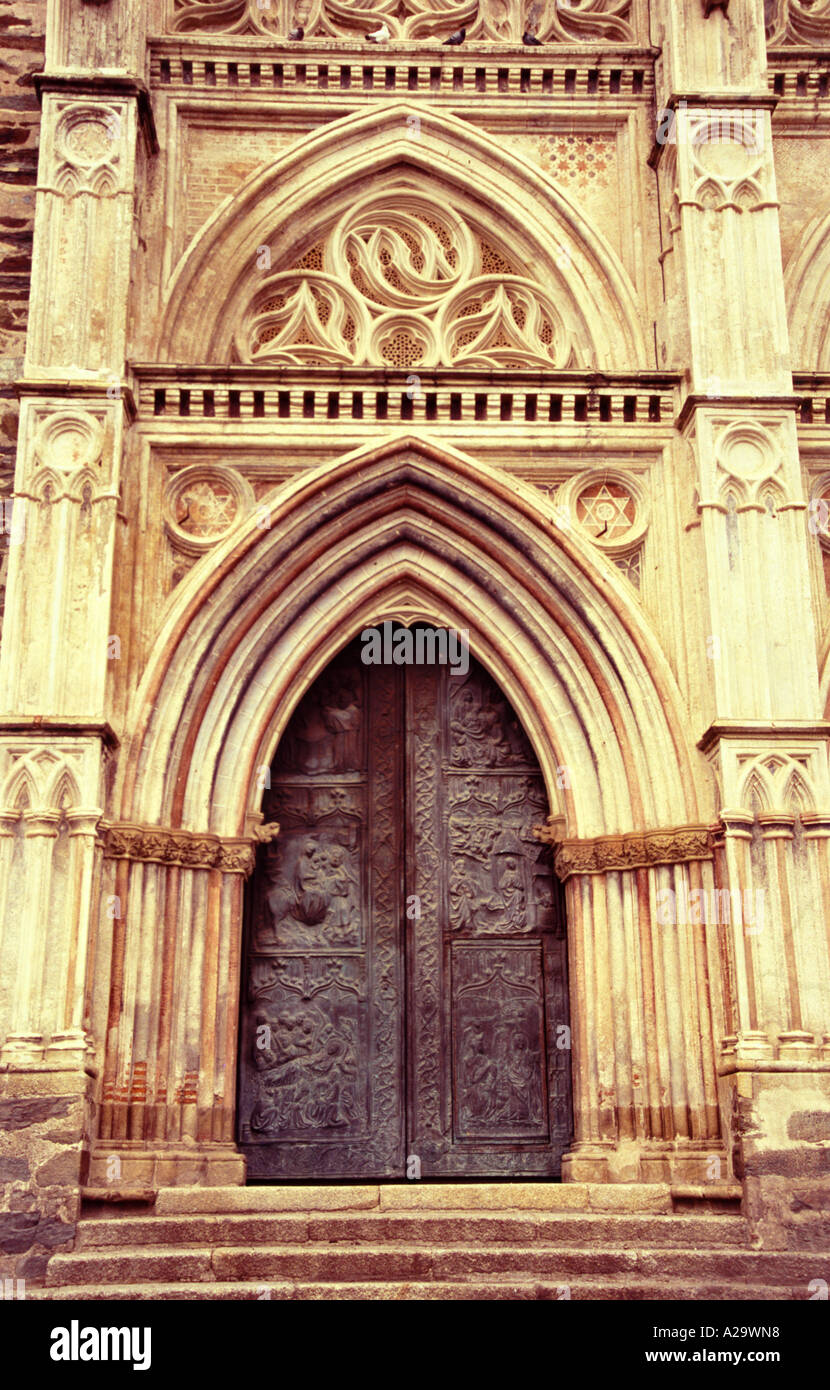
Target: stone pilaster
[(765, 743), (55, 662)]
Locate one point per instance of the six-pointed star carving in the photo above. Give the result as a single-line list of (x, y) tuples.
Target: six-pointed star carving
[(605, 512)]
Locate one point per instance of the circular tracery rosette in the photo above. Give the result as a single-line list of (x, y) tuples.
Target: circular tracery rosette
[(403, 341), (304, 317), (409, 258), (502, 321)]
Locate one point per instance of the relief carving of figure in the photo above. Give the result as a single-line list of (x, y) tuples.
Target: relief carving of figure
[(324, 732), (489, 891), (319, 903), (500, 1072), (484, 732), (513, 896), (307, 1072)]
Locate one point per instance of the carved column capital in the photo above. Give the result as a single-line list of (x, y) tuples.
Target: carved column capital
[(776, 825), (41, 823), (83, 820), (186, 849), (636, 850)]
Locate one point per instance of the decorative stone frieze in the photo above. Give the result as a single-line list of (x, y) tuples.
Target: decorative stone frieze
[(604, 854), (150, 844)]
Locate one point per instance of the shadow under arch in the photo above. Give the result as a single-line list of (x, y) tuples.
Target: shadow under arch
[(315, 180), (407, 529)]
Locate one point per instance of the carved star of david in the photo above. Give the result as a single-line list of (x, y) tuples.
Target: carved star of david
[(204, 510), (605, 513)]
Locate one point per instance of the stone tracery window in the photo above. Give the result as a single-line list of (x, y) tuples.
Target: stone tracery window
[(404, 282), (797, 22), (554, 21)]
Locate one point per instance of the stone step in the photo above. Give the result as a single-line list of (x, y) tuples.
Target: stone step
[(627, 1198), (349, 1263), (612, 1288), (518, 1228)]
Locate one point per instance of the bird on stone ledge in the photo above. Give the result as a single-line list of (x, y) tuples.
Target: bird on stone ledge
[(379, 35), (297, 34), (531, 40), (458, 37)]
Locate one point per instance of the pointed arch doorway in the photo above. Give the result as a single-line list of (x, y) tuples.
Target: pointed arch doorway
[(404, 986)]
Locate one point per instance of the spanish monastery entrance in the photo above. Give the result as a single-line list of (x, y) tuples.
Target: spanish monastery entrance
[(404, 987)]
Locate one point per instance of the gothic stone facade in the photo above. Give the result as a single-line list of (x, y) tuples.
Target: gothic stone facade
[(530, 340)]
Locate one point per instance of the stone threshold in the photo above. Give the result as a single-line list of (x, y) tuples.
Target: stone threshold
[(481, 1196)]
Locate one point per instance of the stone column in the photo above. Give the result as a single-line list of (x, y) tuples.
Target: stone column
[(170, 1018), (647, 1006), (725, 319)]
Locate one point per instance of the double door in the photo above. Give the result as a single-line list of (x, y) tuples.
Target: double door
[(404, 1008)]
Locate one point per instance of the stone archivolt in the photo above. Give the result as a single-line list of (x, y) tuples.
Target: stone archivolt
[(500, 21), (403, 282), (364, 184)]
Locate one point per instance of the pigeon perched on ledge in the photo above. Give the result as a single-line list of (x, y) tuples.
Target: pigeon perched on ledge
[(379, 35), (531, 40), (458, 37), (297, 34)]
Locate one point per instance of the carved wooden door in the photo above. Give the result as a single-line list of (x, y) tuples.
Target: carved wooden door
[(405, 992)]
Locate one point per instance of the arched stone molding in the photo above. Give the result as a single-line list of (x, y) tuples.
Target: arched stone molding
[(807, 289), (407, 530), (288, 206)]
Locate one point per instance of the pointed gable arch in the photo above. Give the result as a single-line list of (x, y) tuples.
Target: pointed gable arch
[(398, 153), (408, 530)]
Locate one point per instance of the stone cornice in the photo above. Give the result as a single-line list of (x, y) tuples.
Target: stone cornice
[(634, 850), (186, 849), (766, 731), (84, 389), (58, 726), (695, 402)]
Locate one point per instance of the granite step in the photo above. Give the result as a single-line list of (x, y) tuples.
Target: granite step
[(612, 1288), (330, 1262), (432, 1228)]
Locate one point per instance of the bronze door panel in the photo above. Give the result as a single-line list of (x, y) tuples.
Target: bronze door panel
[(489, 1077), (321, 1047)]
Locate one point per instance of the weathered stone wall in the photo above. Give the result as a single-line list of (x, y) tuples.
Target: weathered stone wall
[(43, 1119)]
